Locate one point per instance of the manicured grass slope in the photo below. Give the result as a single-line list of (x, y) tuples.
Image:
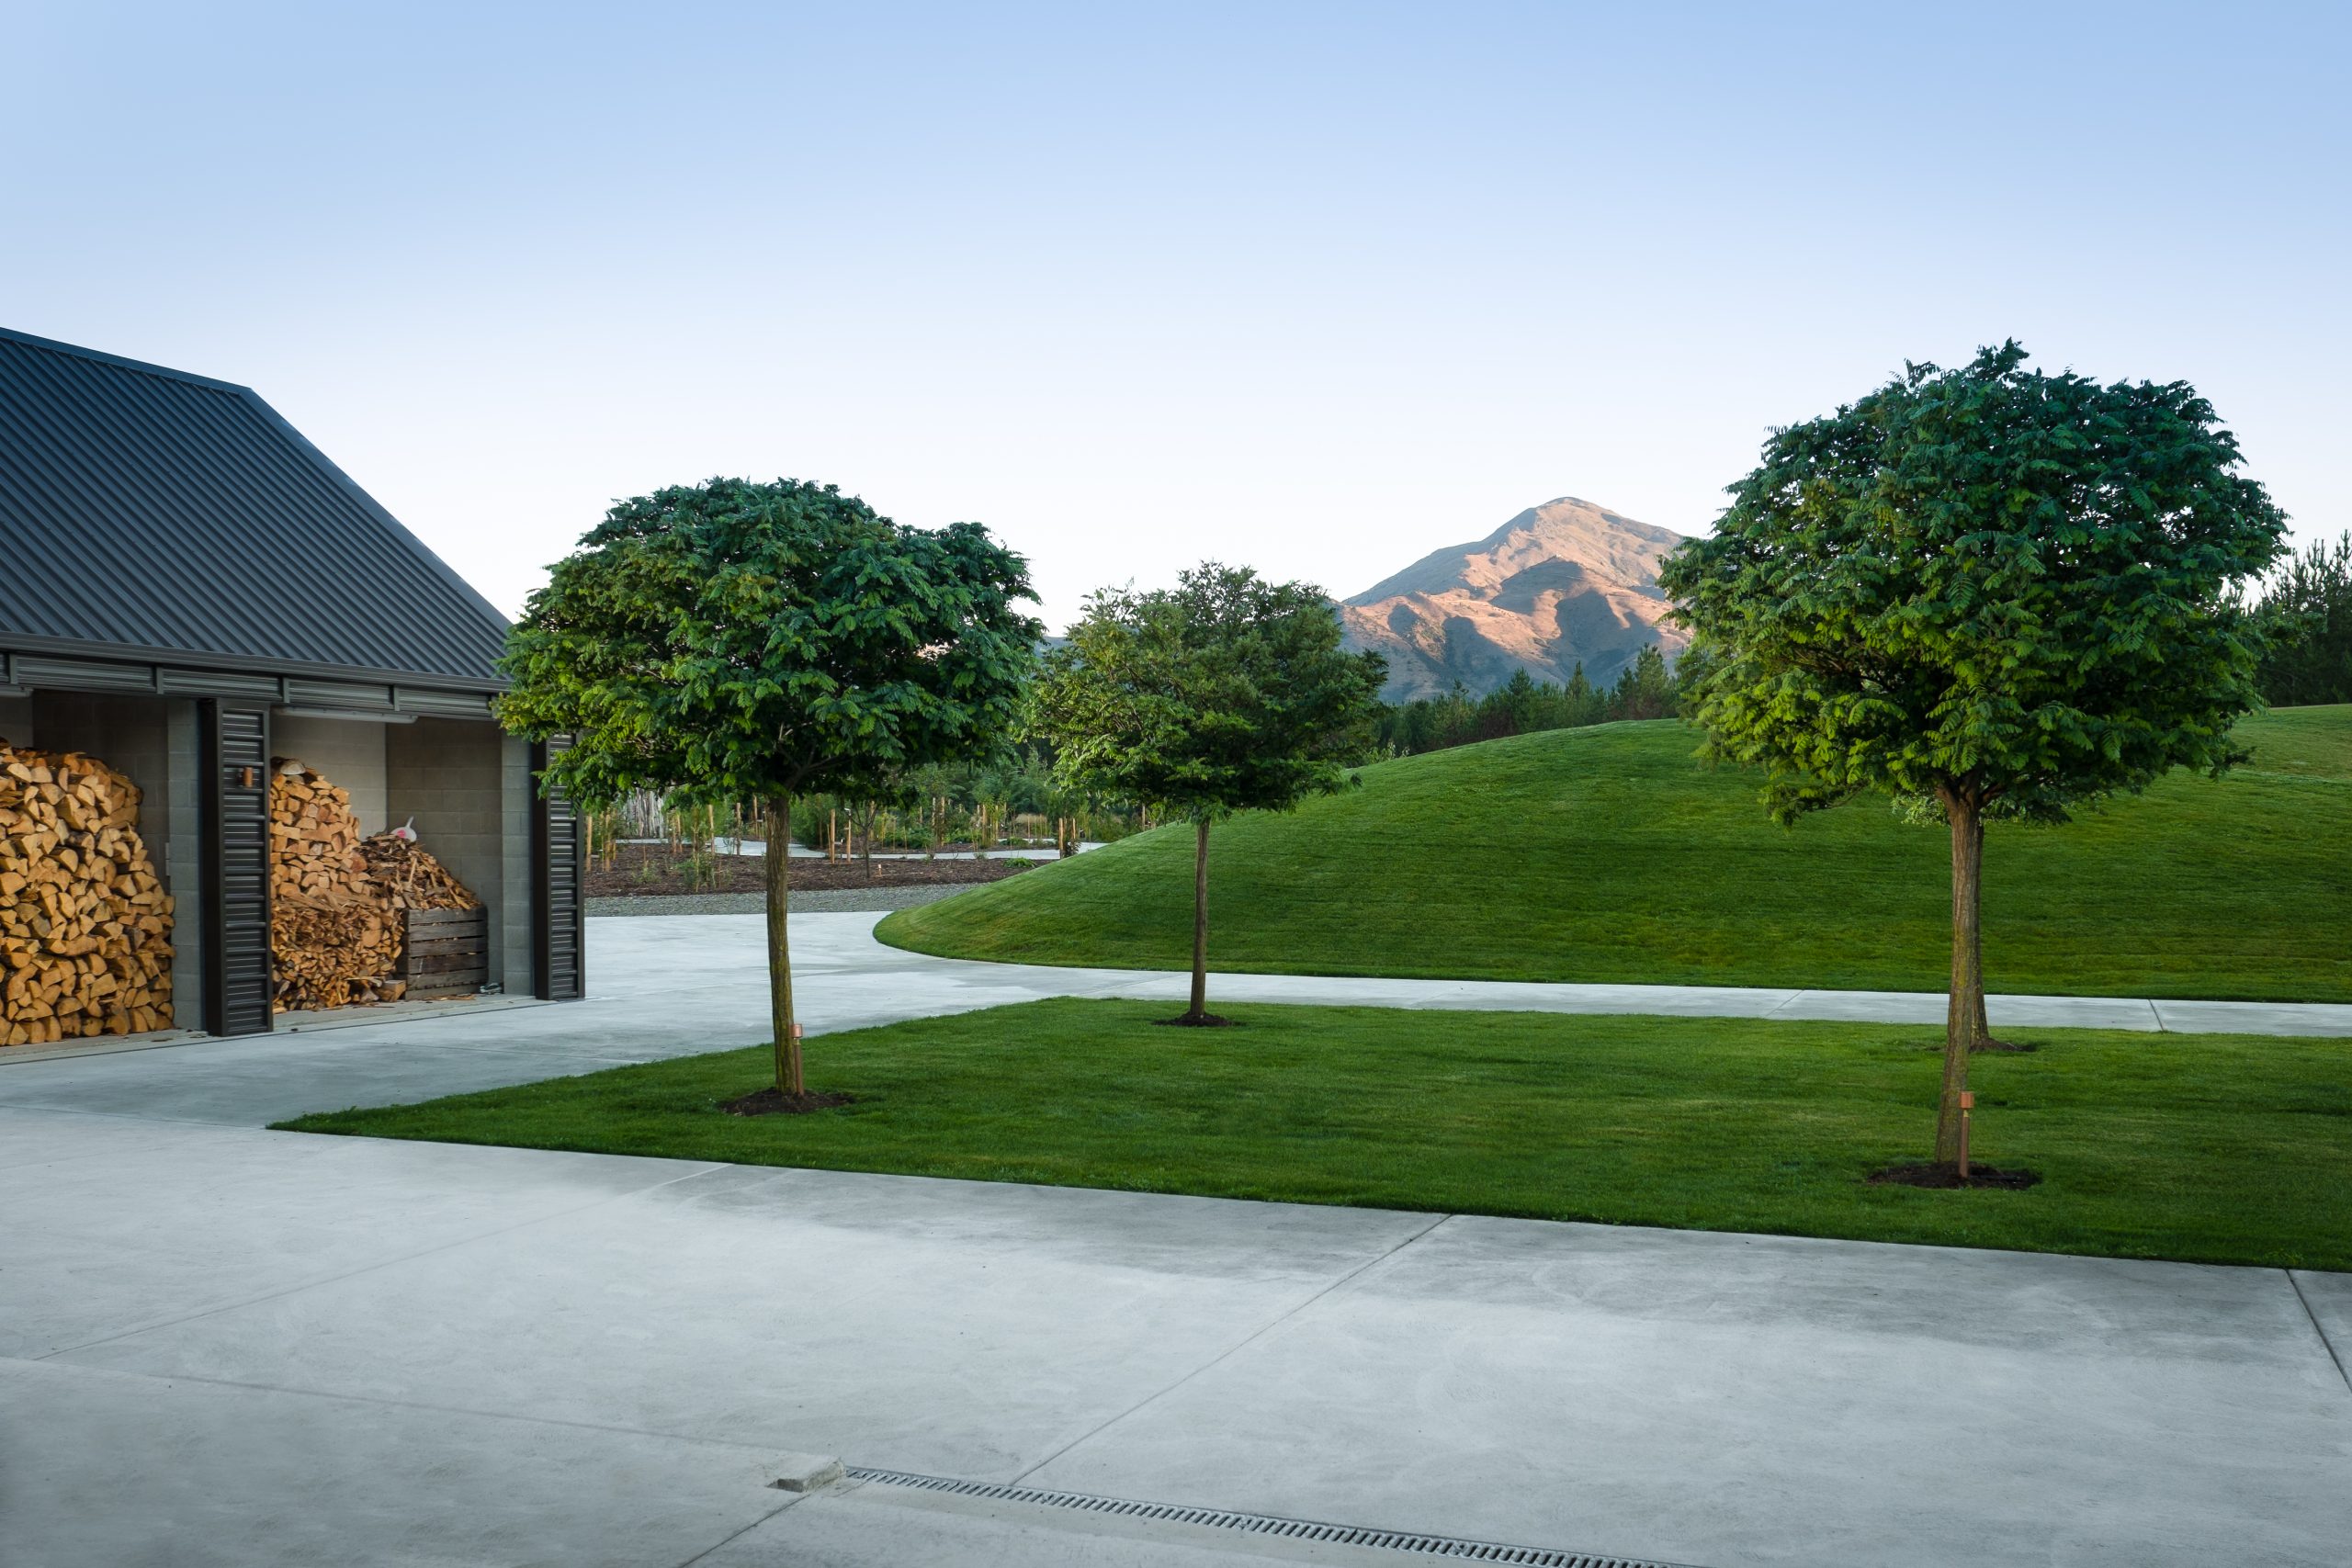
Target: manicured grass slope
[(1610, 855), (2216, 1148)]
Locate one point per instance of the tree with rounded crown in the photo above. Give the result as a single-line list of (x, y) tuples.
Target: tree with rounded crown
[(742, 642), (1226, 693), (1991, 592)]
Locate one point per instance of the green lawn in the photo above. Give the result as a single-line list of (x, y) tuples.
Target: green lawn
[(2215, 1149), (1610, 855)]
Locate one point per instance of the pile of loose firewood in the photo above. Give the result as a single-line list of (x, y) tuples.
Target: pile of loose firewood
[(335, 927), (410, 878), (85, 928)]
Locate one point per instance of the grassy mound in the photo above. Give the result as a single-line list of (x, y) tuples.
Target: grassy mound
[(1610, 855)]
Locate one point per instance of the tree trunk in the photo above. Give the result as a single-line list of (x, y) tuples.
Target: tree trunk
[(1983, 1041), (1964, 1012), (779, 869), (1200, 1008)]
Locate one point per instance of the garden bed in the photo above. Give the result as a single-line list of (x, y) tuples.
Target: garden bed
[(653, 870)]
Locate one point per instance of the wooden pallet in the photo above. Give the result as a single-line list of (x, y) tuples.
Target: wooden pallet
[(447, 953)]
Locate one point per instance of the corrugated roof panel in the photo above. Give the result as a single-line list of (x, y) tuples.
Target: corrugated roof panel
[(151, 513)]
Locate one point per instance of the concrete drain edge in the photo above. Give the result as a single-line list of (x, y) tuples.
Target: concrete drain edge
[(1269, 1525)]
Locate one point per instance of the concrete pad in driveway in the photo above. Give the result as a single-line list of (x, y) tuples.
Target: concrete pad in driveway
[(156, 1223), (220, 1345), (975, 1328), (101, 1471), (2255, 1018), (1721, 1400), (1674, 1394)]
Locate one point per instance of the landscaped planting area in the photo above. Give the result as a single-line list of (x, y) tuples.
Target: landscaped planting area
[(1612, 854), (2211, 1148)]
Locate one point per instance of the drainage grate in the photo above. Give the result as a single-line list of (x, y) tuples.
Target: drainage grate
[(1260, 1524)]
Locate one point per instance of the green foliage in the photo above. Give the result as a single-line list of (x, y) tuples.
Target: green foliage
[(1644, 690), (2002, 586), (945, 802), (1226, 693), (2222, 1148), (2305, 614), (739, 641), (1524, 705)]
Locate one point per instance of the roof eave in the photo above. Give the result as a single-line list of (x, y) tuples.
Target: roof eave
[(243, 664)]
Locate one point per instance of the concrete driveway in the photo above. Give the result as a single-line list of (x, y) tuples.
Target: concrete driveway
[(221, 1345)]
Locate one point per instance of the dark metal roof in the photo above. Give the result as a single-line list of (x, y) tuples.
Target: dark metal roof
[(147, 513)]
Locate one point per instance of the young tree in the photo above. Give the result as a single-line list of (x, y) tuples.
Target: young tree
[(1512, 708), (1581, 702), (2306, 618), (1644, 690), (1994, 591), (745, 642), (1229, 694)]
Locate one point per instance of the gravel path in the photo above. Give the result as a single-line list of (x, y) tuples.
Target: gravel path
[(834, 901)]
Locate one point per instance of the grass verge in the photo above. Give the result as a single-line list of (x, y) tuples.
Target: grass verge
[(2210, 1148)]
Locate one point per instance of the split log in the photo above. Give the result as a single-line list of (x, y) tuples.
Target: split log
[(85, 926)]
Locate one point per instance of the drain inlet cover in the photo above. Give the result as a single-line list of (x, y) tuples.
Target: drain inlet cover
[(1267, 1525)]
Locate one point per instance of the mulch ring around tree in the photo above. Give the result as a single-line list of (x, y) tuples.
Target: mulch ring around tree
[(1947, 1176), (774, 1101), (643, 870)]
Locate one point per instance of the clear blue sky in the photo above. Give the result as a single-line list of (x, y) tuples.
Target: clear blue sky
[(1315, 287)]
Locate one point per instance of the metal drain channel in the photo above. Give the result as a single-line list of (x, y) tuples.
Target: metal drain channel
[(1260, 1524)]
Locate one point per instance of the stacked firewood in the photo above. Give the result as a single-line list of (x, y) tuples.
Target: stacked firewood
[(86, 927), (332, 940), (335, 928)]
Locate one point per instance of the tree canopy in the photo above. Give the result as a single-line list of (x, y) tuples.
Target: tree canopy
[(2305, 613), (1225, 694), (1999, 581), (737, 641), (1992, 589), (740, 642)]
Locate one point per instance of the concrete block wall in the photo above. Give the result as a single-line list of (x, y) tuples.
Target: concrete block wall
[(350, 752), (128, 734), (453, 776)]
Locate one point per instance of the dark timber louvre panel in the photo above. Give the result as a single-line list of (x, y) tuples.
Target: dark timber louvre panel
[(562, 879), (236, 852)]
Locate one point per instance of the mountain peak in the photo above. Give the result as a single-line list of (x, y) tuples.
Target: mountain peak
[(1561, 584)]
